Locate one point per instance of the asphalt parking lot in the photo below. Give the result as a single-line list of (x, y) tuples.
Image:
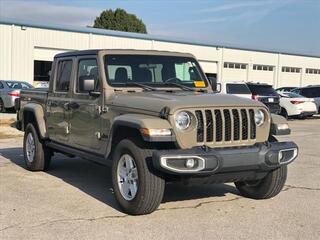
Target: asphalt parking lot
[(74, 200)]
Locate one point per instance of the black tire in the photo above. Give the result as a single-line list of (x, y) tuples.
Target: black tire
[(150, 186), (268, 187), (42, 154), (284, 113), (2, 108)]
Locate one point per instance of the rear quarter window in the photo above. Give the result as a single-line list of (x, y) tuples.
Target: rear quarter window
[(311, 92), (262, 90), (63, 76)]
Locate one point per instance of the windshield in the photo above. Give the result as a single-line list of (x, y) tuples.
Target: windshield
[(18, 85), (234, 88), (155, 71), (293, 95)]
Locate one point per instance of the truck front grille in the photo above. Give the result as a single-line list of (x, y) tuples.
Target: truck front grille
[(225, 125)]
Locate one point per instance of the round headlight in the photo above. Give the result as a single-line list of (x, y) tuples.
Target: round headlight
[(259, 117), (183, 120)]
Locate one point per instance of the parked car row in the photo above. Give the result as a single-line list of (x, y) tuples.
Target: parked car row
[(286, 101), (9, 92)]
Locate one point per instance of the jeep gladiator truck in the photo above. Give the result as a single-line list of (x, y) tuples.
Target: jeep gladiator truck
[(153, 117)]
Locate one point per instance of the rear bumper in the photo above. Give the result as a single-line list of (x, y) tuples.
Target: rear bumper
[(258, 158), (307, 113), (9, 101)]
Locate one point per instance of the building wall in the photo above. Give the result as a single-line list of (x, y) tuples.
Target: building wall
[(20, 46)]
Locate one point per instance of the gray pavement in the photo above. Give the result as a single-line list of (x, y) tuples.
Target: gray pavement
[(74, 201)]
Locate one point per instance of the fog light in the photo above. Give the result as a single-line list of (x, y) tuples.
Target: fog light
[(190, 163)]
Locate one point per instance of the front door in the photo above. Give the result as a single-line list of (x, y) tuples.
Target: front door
[(58, 99), (85, 119)]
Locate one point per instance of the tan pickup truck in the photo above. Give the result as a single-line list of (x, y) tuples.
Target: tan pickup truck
[(154, 118)]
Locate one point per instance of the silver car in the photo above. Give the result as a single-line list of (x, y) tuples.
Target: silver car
[(9, 92)]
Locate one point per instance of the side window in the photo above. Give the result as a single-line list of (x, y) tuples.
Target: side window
[(1, 85), (87, 69), (63, 76)]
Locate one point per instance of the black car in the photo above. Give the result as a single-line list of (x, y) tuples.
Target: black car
[(266, 94)]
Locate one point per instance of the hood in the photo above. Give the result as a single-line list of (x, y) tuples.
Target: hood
[(155, 101)]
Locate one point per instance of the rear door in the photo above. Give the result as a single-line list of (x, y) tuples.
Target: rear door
[(85, 119), (58, 98)]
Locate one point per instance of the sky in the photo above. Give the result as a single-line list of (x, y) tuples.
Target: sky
[(279, 25)]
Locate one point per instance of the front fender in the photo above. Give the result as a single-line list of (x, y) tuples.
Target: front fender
[(38, 113), (138, 122), (279, 125)]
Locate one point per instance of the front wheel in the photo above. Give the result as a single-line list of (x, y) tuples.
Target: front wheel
[(268, 187), (137, 189)]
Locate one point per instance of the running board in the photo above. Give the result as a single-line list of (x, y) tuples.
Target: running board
[(99, 158)]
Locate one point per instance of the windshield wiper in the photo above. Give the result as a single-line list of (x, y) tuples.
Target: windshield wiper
[(184, 87), (145, 87)]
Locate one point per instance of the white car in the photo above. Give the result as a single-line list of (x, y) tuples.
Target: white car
[(295, 105), (239, 89)]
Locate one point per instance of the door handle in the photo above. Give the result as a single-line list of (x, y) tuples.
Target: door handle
[(53, 104), (73, 105), (66, 106)]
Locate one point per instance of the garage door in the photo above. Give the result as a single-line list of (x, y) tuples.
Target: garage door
[(209, 67), (46, 54)]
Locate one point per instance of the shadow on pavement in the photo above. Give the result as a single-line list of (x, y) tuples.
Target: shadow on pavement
[(95, 179)]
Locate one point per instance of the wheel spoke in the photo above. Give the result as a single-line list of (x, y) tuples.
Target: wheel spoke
[(134, 174), (129, 163), (133, 188), (125, 188), (122, 172)]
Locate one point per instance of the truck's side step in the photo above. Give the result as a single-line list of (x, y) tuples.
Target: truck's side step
[(99, 158)]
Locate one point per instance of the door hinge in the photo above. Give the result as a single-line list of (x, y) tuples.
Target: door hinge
[(102, 109), (67, 129), (98, 135)]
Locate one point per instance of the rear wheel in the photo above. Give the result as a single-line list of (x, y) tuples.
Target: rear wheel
[(2, 108), (268, 187), (284, 113), (37, 156), (137, 188)]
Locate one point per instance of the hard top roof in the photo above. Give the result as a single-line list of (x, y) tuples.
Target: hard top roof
[(123, 51)]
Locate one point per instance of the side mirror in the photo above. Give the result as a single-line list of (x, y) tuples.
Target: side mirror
[(213, 83), (88, 85)]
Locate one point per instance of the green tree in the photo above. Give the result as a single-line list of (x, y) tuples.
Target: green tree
[(119, 20)]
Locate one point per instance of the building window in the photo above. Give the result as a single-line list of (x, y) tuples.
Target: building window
[(235, 65), (262, 67), (42, 70), (291, 69), (312, 71)]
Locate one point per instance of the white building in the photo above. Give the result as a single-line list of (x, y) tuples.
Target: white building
[(27, 50)]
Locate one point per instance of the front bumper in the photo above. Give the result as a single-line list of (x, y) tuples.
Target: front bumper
[(208, 161)]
